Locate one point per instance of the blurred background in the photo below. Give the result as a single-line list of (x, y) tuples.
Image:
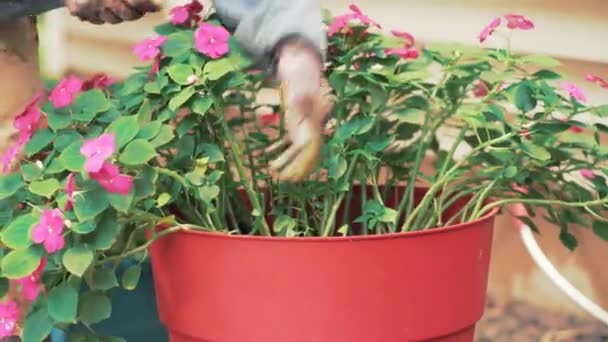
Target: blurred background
[(524, 305)]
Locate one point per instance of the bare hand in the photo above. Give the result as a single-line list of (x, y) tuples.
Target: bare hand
[(111, 11)]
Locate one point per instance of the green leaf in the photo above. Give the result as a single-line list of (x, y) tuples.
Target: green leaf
[(216, 69), (105, 233), (547, 75), (89, 204), (337, 166), (4, 286), (71, 157), (55, 167), (178, 44), (30, 172), (10, 184), (601, 110), (510, 171), (89, 104), (94, 307), (212, 152), (121, 202), (62, 303), (17, 235), (202, 104), (150, 130), (41, 139), (524, 97), (535, 151), (209, 192), (104, 279), (182, 97), (20, 263), (284, 223), (388, 215), (541, 61), (180, 73), (38, 326), (163, 199), (57, 118), (131, 277), (568, 240), (78, 259), (137, 152), (45, 188), (601, 229), (144, 182), (154, 87), (164, 136), (83, 228), (125, 128)]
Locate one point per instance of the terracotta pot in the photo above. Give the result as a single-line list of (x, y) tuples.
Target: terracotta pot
[(428, 285)]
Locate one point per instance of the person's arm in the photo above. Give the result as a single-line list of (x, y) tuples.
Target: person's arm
[(262, 27)]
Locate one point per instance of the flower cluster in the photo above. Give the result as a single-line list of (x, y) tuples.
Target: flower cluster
[(514, 21)]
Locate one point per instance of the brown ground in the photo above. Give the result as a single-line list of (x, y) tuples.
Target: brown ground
[(522, 322)]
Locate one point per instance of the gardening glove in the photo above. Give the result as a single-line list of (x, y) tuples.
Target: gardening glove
[(111, 11), (305, 108)]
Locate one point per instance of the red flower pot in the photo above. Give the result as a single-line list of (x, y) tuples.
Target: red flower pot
[(428, 285)]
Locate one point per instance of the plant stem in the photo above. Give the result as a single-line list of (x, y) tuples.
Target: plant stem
[(330, 223), (173, 175), (238, 163), (481, 199), (542, 202)]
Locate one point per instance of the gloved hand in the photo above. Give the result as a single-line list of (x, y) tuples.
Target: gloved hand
[(111, 11), (299, 70)]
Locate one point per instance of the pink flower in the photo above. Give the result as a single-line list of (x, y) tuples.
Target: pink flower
[(110, 178), (339, 24), (489, 29), (211, 40), (13, 152), (405, 35), (149, 48), (271, 119), (576, 129), (182, 15), (597, 80), (155, 67), (97, 150), (587, 173), (70, 187), (29, 121), (481, 89), (30, 285), (518, 21), (574, 91), (9, 315), (64, 93), (179, 15), (98, 81), (405, 53), (49, 231), (519, 188)]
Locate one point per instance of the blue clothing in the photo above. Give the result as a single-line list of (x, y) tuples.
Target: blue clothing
[(12, 9)]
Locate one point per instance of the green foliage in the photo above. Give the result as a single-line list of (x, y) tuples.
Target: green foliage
[(185, 157)]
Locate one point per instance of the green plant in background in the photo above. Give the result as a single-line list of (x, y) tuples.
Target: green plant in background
[(106, 163)]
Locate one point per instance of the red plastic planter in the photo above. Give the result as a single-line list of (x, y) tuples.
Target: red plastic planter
[(428, 285)]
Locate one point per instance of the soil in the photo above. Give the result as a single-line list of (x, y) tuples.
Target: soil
[(521, 322)]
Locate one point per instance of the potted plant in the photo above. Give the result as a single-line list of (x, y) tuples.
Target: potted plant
[(371, 247)]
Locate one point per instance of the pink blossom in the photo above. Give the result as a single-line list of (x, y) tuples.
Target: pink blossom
[(405, 53), (29, 121), (574, 91), (340, 23), (576, 129), (481, 89), (182, 15), (30, 285), (13, 151), (149, 48), (211, 40), (64, 93), (179, 15), (155, 67), (597, 80), (519, 188), (98, 81), (97, 150), (489, 29), (192, 79), (587, 173), (518, 21), (110, 178), (410, 41), (271, 119), (9, 315), (70, 187), (49, 231)]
